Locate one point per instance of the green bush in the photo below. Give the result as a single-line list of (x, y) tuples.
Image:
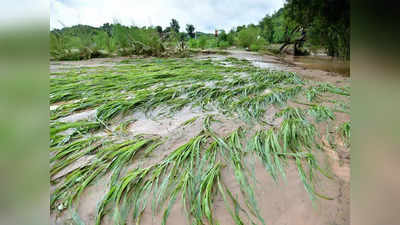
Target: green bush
[(223, 44), (206, 42), (202, 42), (193, 43), (105, 42), (258, 45), (231, 38), (212, 43), (248, 36)]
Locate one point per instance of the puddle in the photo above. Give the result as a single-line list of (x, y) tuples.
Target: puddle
[(267, 65), (214, 57)]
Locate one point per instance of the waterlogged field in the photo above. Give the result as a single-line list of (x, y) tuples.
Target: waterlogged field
[(196, 141)]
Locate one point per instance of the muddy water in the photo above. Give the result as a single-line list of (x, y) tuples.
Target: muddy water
[(332, 66), (324, 63)]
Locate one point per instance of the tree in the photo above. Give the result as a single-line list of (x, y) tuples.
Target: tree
[(159, 30), (222, 36), (174, 25), (107, 28), (190, 30), (167, 30), (239, 28), (231, 37), (267, 28), (324, 23)]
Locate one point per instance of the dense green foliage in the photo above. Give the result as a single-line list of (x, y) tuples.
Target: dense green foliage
[(83, 42), (311, 23), (327, 23), (248, 36)]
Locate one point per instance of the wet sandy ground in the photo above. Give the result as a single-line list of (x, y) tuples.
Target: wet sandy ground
[(282, 203)]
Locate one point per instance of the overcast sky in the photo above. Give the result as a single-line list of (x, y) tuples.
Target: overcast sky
[(205, 15)]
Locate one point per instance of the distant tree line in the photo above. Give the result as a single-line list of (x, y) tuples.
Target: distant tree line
[(303, 25)]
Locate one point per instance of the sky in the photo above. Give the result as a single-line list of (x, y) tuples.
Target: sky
[(14, 12), (205, 15)]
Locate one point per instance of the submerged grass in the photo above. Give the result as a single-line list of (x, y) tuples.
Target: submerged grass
[(77, 129), (172, 84), (321, 113)]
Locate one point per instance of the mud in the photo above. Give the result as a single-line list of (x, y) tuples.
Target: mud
[(161, 126)]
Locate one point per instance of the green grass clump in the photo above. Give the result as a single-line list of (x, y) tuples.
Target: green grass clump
[(189, 121), (123, 126), (254, 107), (110, 110), (291, 113), (106, 157), (266, 145), (297, 134), (314, 93), (321, 113), (78, 129), (345, 132)]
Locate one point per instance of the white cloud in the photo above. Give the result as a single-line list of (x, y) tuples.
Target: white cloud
[(205, 15)]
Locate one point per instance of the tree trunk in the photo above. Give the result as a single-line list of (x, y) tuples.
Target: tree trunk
[(287, 37), (298, 43), (283, 46)]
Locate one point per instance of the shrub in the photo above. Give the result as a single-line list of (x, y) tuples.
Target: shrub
[(247, 36), (258, 45), (202, 42), (231, 38), (222, 36), (212, 43), (193, 43), (87, 42), (223, 44)]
